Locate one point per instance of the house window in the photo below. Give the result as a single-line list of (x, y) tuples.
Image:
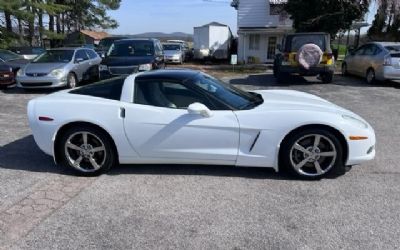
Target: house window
[(271, 47), (254, 42)]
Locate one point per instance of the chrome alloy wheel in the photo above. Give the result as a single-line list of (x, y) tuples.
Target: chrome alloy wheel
[(313, 155), (85, 152)]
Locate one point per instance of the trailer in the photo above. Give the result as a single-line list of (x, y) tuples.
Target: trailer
[(212, 41)]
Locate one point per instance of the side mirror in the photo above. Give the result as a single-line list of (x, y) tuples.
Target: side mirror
[(199, 109), (79, 60)]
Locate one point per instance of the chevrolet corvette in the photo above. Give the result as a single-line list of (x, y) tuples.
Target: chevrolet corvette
[(188, 117)]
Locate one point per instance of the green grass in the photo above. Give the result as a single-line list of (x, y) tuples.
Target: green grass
[(342, 48)]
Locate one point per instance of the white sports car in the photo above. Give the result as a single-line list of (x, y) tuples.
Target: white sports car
[(188, 117)]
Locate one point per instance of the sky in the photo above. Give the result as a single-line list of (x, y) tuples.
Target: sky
[(139, 16)]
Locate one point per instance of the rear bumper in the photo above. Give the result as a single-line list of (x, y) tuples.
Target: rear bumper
[(307, 72), (391, 73), (6, 79)]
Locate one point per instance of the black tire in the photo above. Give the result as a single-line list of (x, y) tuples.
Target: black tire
[(96, 74), (370, 76), (344, 70), (96, 139), (327, 77), (72, 81), (329, 165)]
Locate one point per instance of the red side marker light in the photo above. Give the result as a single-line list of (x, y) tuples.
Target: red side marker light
[(45, 119)]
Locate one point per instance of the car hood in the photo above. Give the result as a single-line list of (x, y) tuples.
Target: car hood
[(296, 100), (43, 67), (17, 64), (127, 60), (172, 52)]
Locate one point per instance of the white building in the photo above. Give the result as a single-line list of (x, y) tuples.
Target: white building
[(261, 26)]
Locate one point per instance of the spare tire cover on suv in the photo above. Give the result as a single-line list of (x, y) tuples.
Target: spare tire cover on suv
[(309, 55)]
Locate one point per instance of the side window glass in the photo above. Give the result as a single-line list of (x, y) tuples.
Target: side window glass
[(81, 54), (369, 50), (360, 51), (167, 95), (91, 54)]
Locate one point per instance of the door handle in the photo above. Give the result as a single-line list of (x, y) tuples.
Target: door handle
[(122, 112)]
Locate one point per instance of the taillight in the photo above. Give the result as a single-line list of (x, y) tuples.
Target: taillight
[(387, 61), (329, 56)]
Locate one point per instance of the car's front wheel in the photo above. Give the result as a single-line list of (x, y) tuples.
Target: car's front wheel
[(344, 69), (327, 77), (312, 154), (87, 150), (370, 76), (72, 82)]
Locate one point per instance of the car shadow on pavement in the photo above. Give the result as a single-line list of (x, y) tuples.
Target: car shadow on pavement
[(16, 90), (23, 154), (268, 80)]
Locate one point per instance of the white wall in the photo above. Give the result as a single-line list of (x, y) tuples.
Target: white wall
[(262, 53), (255, 13)]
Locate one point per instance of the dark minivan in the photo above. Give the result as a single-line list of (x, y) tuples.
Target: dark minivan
[(128, 56)]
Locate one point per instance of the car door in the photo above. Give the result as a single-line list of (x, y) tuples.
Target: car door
[(158, 125), (82, 65), (94, 61), (353, 61)]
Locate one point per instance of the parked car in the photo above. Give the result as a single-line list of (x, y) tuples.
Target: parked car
[(306, 54), (13, 60), (28, 53), (7, 77), (187, 51), (188, 117), (174, 53), (105, 44), (377, 61), (131, 55), (60, 67)]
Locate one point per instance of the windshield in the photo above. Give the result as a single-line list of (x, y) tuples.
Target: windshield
[(6, 55), (55, 56), (228, 94), (172, 47), (106, 42), (131, 49), (393, 48)]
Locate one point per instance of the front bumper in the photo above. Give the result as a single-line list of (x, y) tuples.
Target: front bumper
[(6, 79), (30, 82), (173, 60), (313, 71), (362, 150)]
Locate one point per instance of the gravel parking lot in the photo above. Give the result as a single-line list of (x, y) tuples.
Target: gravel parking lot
[(204, 207)]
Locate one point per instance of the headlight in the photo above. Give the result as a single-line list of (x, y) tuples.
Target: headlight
[(20, 72), (176, 56), (57, 73), (103, 67), (145, 67), (354, 120)]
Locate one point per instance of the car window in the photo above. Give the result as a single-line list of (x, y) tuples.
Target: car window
[(108, 89), (55, 56), (370, 50), (81, 54), (359, 51), (91, 54), (168, 95), (132, 48)]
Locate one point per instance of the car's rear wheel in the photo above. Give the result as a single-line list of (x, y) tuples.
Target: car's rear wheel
[(72, 82), (370, 76), (344, 70), (327, 77), (87, 150), (312, 154)]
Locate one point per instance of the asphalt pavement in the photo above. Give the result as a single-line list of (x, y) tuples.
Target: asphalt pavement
[(204, 207)]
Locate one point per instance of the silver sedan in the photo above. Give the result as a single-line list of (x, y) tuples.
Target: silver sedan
[(376, 61), (59, 68)]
